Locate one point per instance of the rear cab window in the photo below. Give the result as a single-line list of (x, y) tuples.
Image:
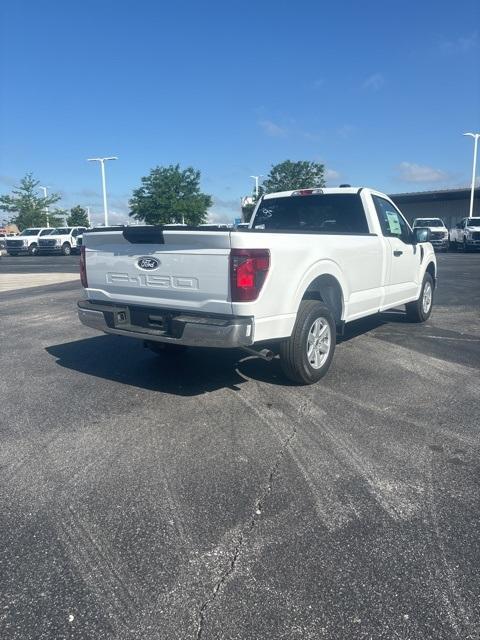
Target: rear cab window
[(319, 213)]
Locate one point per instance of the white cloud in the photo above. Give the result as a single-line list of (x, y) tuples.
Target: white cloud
[(272, 129), (331, 175), (374, 82), (224, 211), (345, 131), (411, 172), (462, 44)]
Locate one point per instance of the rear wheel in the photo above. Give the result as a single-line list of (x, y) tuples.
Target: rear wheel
[(420, 310), (66, 249), (305, 357)]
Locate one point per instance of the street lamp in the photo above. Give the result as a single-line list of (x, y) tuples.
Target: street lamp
[(256, 178), (104, 188), (44, 189), (475, 137)]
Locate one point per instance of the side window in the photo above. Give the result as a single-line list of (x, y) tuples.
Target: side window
[(392, 223), (75, 233)]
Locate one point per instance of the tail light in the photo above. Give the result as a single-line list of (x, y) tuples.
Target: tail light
[(248, 270), (83, 268)]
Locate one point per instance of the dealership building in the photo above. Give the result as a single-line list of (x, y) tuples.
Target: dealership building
[(451, 205)]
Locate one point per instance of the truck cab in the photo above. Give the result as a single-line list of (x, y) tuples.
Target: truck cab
[(27, 241)]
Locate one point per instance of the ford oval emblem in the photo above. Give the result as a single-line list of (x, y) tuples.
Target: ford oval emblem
[(148, 263)]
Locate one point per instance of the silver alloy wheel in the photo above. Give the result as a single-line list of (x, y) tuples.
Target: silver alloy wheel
[(318, 343), (427, 297)]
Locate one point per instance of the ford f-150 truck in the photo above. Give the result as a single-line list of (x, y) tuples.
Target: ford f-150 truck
[(310, 261), (466, 234)]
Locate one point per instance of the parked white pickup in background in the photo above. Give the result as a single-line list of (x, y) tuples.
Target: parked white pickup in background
[(466, 234)]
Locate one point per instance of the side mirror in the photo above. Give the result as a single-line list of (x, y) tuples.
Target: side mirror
[(421, 234)]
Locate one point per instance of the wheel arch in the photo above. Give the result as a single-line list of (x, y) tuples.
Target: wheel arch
[(327, 289), (432, 270)]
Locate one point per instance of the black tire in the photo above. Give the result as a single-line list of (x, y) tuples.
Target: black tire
[(13, 254), (453, 245), (465, 246), (416, 311), (66, 249), (33, 249), (166, 348), (294, 359)]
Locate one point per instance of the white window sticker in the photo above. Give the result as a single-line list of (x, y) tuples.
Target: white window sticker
[(393, 223)]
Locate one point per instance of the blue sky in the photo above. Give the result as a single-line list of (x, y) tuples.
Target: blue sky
[(379, 91)]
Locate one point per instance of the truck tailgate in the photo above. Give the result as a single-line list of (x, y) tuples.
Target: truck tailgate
[(154, 267)]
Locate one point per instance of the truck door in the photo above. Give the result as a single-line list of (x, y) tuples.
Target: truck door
[(403, 256)]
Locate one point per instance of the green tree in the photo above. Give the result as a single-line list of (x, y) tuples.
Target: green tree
[(170, 195), (78, 217), (28, 207), (289, 175)]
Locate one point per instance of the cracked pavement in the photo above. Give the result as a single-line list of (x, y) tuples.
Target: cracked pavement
[(146, 497)]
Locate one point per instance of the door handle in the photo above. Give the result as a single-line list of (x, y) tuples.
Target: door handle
[(397, 253)]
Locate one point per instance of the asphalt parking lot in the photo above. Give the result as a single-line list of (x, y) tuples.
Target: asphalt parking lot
[(145, 497)]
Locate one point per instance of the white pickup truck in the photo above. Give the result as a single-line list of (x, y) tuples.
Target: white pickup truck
[(466, 234), (438, 231), (62, 240), (311, 261), (26, 241)]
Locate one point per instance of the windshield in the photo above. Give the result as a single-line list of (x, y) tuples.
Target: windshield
[(473, 222), (429, 222), (323, 213), (61, 231), (30, 232)]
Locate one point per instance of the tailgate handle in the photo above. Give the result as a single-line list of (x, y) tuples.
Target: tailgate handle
[(144, 235)]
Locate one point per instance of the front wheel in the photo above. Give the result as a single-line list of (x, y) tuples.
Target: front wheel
[(420, 310), (66, 249), (12, 253), (306, 356), (32, 249)]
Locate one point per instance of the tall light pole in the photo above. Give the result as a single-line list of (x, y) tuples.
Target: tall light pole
[(256, 178), (104, 188), (44, 189), (88, 217), (475, 137)]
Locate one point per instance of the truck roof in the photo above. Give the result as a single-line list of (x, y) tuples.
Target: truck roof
[(326, 190)]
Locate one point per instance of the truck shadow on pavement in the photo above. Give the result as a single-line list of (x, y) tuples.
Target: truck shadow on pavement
[(124, 360), (195, 372)]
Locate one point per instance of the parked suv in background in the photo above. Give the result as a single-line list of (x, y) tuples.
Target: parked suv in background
[(62, 240), (466, 234), (27, 241), (438, 231)]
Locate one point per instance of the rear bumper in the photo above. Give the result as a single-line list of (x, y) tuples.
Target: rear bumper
[(167, 325)]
